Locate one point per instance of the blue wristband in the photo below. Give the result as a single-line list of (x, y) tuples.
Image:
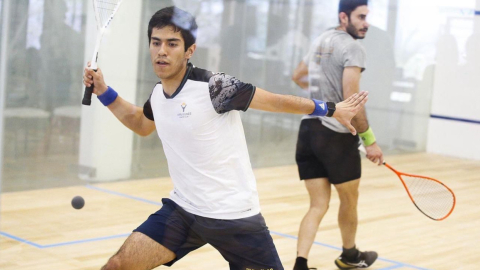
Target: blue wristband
[(320, 108), (108, 96)]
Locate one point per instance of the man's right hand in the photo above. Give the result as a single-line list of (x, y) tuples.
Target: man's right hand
[(374, 153), (348, 108), (90, 76)]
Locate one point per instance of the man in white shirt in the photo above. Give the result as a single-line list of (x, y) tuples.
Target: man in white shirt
[(195, 113)]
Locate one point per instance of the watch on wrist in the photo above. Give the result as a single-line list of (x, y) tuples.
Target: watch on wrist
[(331, 109)]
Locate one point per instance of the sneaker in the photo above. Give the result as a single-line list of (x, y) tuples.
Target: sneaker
[(365, 259)]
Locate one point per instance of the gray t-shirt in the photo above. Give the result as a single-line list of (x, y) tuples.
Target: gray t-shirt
[(328, 56)]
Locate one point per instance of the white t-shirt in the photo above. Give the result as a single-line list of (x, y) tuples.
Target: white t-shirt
[(204, 142)]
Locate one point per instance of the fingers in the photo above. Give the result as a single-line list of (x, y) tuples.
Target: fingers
[(362, 102), (88, 77), (351, 98), (364, 94), (357, 99), (376, 159), (359, 104), (380, 160), (362, 99), (373, 159)]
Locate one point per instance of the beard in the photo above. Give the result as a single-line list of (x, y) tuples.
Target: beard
[(354, 31)]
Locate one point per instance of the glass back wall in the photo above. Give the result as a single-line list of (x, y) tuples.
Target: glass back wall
[(257, 41)]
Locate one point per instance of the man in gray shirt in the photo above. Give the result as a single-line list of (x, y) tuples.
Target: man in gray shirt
[(327, 154)]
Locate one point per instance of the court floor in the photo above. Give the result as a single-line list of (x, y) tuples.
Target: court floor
[(40, 230)]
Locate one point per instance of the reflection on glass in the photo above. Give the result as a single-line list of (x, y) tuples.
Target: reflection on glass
[(73, 16), (35, 23)]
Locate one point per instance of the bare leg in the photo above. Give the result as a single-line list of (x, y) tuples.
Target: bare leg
[(319, 190), (139, 252), (347, 214)]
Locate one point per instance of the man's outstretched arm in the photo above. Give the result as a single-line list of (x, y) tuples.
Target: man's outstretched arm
[(345, 110), (130, 115)]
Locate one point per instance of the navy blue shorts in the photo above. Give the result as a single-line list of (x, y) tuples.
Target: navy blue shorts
[(324, 153), (245, 243)]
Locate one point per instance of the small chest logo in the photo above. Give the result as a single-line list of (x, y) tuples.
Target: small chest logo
[(184, 114), (322, 52)]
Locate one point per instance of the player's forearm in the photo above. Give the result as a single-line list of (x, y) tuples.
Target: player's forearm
[(266, 101), (294, 104), (129, 114), (351, 86), (360, 121)]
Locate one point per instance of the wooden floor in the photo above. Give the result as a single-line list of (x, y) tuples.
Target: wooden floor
[(40, 230)]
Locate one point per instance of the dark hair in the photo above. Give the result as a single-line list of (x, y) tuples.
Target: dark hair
[(179, 19), (348, 6)]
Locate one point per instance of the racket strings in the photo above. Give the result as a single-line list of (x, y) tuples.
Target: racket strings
[(431, 197), (105, 9)]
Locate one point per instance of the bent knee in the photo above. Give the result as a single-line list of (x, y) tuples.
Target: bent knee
[(350, 197), (320, 208)]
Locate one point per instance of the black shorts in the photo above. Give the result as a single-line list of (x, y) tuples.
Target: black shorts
[(245, 243), (322, 152)]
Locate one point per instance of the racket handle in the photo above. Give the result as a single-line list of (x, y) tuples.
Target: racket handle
[(87, 96)]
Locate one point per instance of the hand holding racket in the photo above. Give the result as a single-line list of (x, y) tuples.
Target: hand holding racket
[(94, 79), (431, 197), (104, 12), (374, 154)]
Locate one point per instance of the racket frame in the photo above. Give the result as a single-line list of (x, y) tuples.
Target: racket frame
[(362, 149), (87, 96), (399, 174), (101, 30)]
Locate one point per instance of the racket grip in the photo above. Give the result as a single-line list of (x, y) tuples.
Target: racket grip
[(87, 96)]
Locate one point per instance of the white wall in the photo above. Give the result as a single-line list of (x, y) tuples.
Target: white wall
[(456, 95), (105, 144)]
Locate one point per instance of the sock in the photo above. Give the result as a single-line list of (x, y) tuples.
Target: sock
[(350, 254), (300, 264)]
